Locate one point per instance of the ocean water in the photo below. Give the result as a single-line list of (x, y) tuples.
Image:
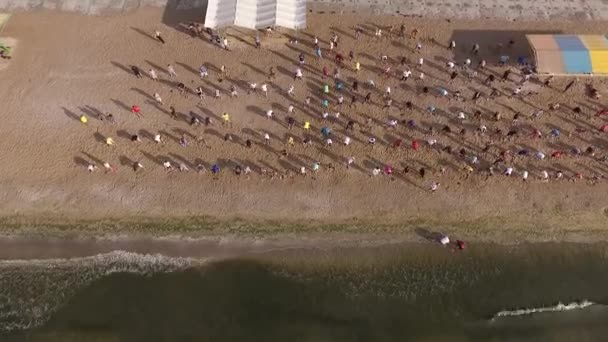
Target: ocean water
[(412, 292)]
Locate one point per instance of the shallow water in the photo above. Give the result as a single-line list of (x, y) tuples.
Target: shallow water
[(388, 293)]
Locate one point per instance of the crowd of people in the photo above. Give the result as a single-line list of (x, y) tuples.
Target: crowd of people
[(434, 116)]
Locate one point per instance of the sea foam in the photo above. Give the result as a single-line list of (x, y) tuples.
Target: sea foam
[(32, 290), (556, 308)]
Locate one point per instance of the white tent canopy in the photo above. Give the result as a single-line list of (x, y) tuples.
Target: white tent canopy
[(256, 14)]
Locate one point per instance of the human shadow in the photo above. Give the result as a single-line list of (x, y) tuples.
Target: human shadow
[(92, 157), (428, 235), (143, 33), (70, 114), (121, 104), (126, 161), (81, 161), (122, 67)]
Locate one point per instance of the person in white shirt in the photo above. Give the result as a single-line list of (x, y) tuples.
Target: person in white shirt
[(157, 98), (153, 75), (290, 109), (434, 186), (392, 123), (346, 141), (524, 176), (516, 91), (451, 64), (171, 71), (167, 165), (420, 61), (265, 89), (421, 76), (376, 171), (298, 74), (252, 87), (266, 138), (544, 175), (508, 171), (350, 162), (269, 114), (406, 74), (328, 142)]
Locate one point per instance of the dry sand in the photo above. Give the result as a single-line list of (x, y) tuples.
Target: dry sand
[(67, 65)]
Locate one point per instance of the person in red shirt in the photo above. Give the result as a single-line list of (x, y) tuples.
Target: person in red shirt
[(415, 145), (137, 111)]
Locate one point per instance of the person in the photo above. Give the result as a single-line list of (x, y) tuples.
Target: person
[(217, 94), (406, 75), (136, 71), (182, 89), (153, 75), (252, 87), (84, 119), (199, 92), (475, 49), (434, 186), (158, 98), (159, 37), (137, 111), (349, 162), (258, 42), (203, 72), (269, 114), (376, 171), (524, 176), (173, 113), (171, 71), (226, 119), (298, 74), (215, 169), (233, 92), (137, 165), (291, 90), (92, 167), (109, 168), (266, 138), (265, 89)]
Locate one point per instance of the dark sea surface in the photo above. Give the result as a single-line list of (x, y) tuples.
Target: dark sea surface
[(410, 292)]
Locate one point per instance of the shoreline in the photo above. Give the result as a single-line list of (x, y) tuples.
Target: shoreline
[(230, 239)]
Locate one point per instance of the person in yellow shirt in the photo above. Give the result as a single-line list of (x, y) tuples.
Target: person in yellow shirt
[(84, 119), (290, 141), (357, 66), (109, 141), (226, 119), (306, 125)]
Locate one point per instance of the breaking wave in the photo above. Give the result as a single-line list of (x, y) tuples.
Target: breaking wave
[(556, 308), (31, 290)]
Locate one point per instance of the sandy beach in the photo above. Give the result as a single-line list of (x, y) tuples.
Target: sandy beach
[(67, 65)]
